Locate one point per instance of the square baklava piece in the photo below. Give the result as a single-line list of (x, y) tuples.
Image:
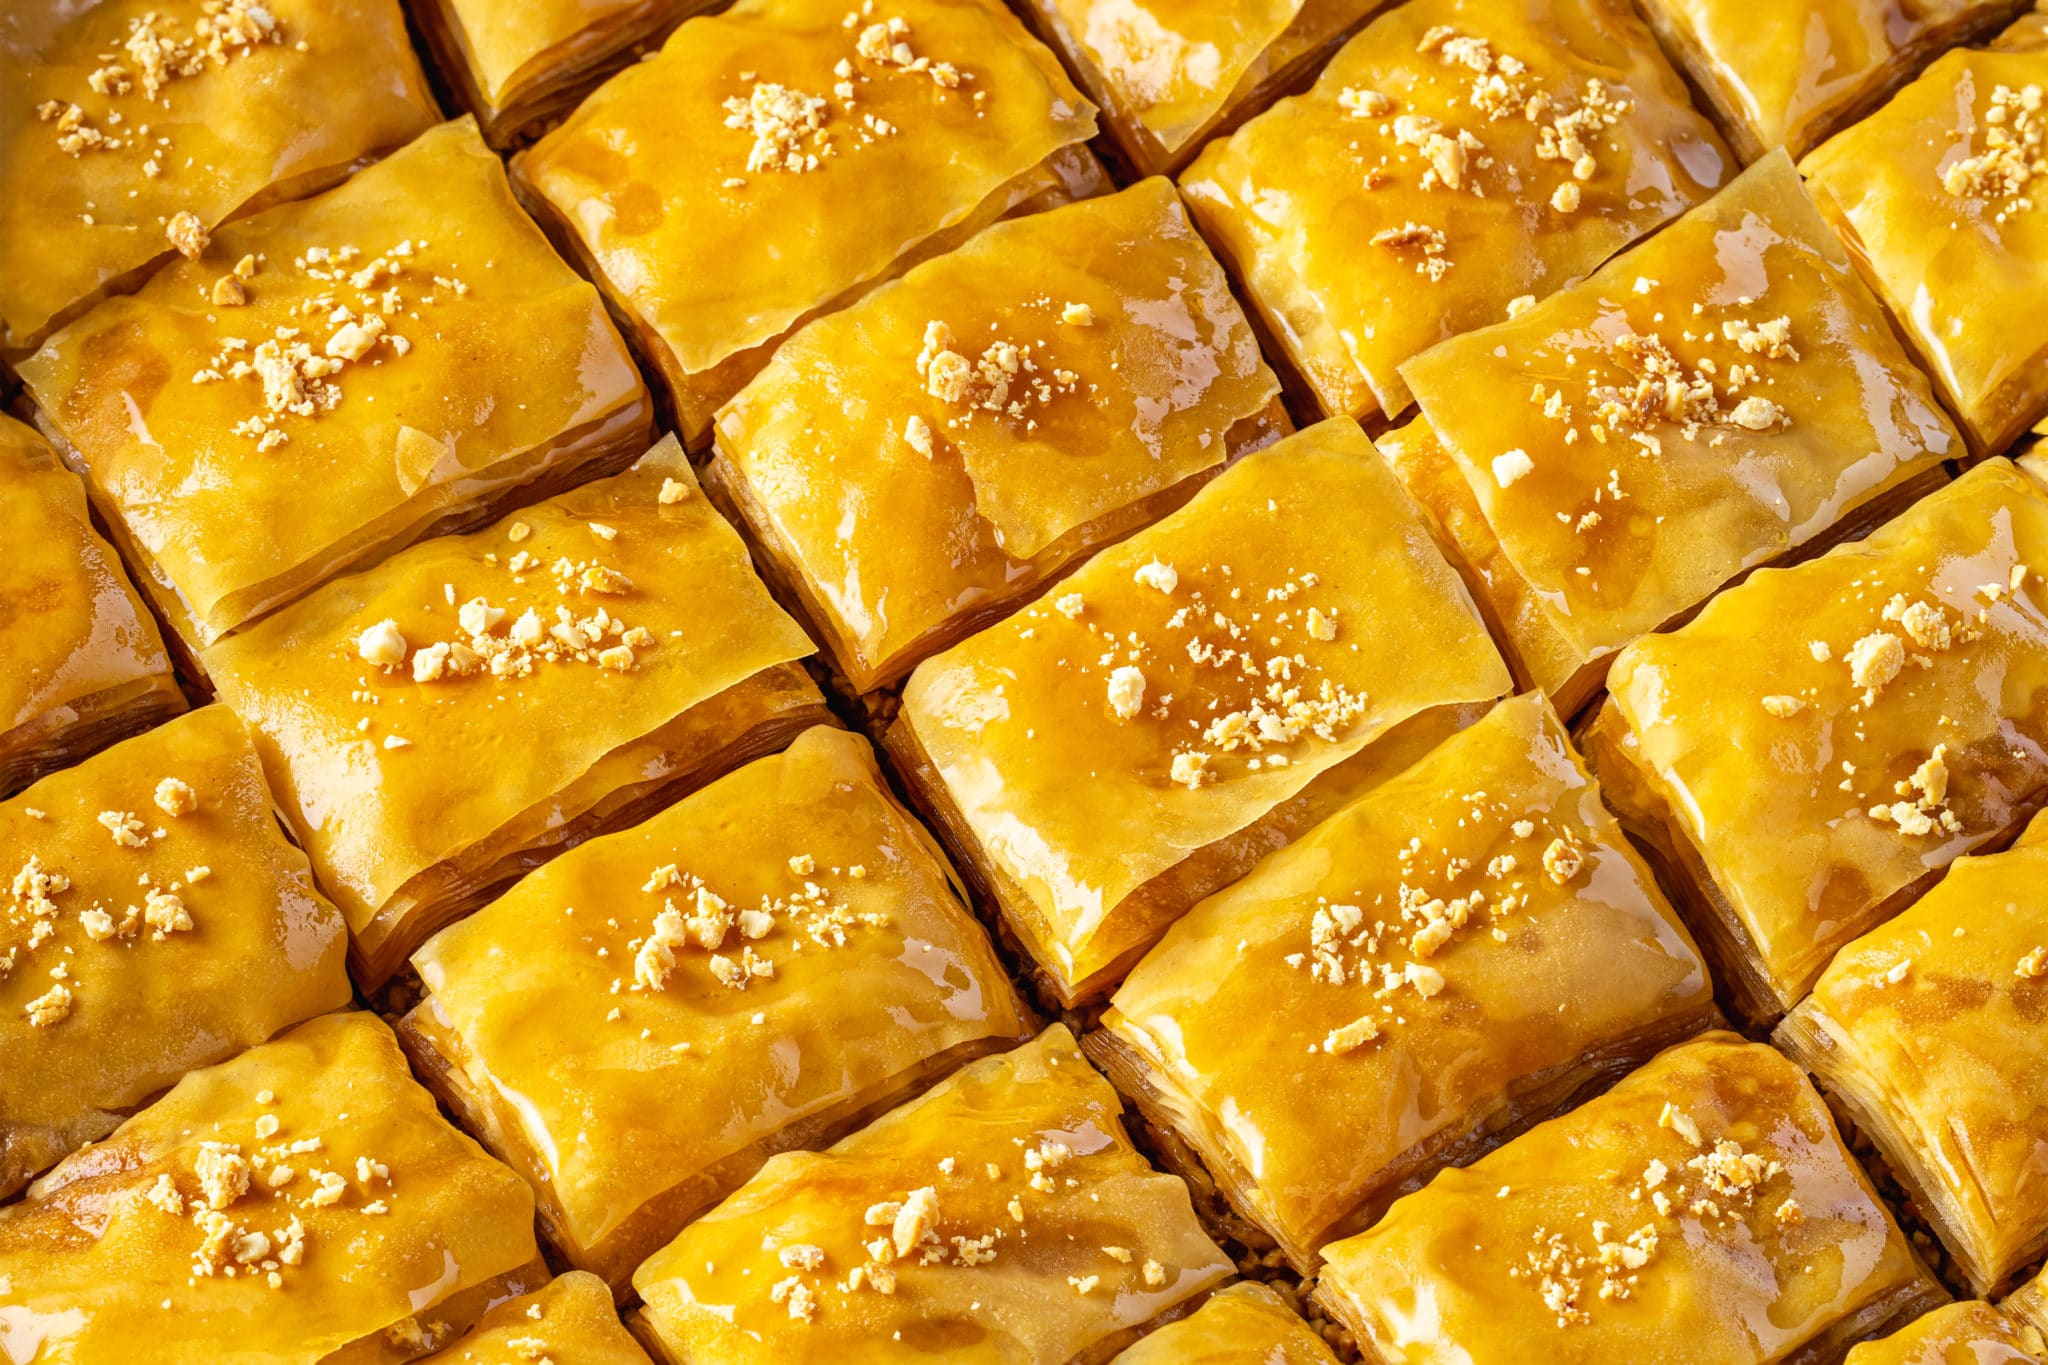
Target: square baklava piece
[(1460, 952), (1930, 1031), (1725, 394), (155, 921), (1457, 157), (774, 162), (443, 723), (1971, 1333), (304, 1201), (81, 663), (568, 1321), (787, 940), (1247, 1323), (1942, 197), (918, 463), (1002, 1216), (334, 378), (1705, 1209), (1191, 699), (1808, 754), (132, 128)]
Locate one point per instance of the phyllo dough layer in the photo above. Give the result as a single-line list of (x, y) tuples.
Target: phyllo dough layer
[(1969, 1333), (568, 1321), (1245, 1324)]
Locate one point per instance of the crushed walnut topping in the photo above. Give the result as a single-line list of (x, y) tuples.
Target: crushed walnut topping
[(1005, 378), (175, 798), (787, 126), (50, 1008), (2032, 965), (1425, 242), (2014, 155), (187, 234), (695, 919)]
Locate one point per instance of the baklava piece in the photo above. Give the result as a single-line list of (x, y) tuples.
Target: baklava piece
[(1942, 197), (569, 1321), (1245, 1324), (334, 378), (1170, 74), (785, 942), (1929, 1029), (1808, 754), (449, 720), (152, 920), (302, 1202), (1704, 1209), (922, 461), (1456, 159), (1791, 73), (130, 129), (1457, 954), (1193, 698), (827, 147), (81, 663), (1968, 1333), (1004, 1216), (1725, 394)]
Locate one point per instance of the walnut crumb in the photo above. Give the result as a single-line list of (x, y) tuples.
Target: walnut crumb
[(1783, 706), (187, 234), (175, 798), (673, 491), (1078, 315), (1126, 691), (1511, 467)]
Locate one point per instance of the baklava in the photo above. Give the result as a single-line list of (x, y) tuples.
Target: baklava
[(334, 378), (1244, 1324), (81, 663), (303, 1202), (1940, 197), (1808, 754), (1968, 1333), (443, 723), (133, 128), (1457, 954), (154, 920), (1703, 1210), (1455, 159), (786, 940), (1004, 1216), (918, 463), (774, 162), (1929, 1030), (1727, 393), (1191, 699), (569, 1321)]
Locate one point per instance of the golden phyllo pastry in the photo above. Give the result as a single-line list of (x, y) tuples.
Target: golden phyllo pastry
[(81, 663), (1245, 1324), (332, 379), (442, 723), (1003, 1217), (1455, 157), (1809, 753), (130, 129), (303, 1202), (152, 919), (1459, 952), (1723, 394), (1969, 1333), (786, 941), (1169, 74), (1193, 698), (1703, 1210), (918, 463), (1942, 196), (1792, 72), (1930, 1030), (829, 146), (569, 1321)]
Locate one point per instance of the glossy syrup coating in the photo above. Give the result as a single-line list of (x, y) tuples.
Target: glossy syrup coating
[(1002, 1217), (1562, 135), (1118, 368), (1244, 1324), (569, 1320), (1968, 1333)]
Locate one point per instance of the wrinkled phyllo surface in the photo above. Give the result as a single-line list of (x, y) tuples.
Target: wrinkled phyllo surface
[(613, 640), (785, 942), (152, 919), (819, 156), (1942, 196), (1720, 396), (1455, 157), (1002, 1217), (1793, 72), (302, 1202), (81, 663), (1703, 1210), (1245, 1324), (1809, 753), (928, 457), (131, 128), (569, 1321), (1458, 953), (1969, 1333), (1169, 74), (1191, 699), (1930, 1030), (331, 379)]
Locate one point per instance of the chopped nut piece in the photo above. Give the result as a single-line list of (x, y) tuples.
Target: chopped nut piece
[(915, 1219), (673, 491), (228, 292), (382, 645), (1352, 1036), (50, 1008), (174, 798), (1875, 660), (1078, 315), (223, 1174), (1512, 466), (1783, 706), (2033, 965), (187, 234), (1319, 626), (1162, 577), (1126, 691), (1190, 770), (917, 434), (126, 829)]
